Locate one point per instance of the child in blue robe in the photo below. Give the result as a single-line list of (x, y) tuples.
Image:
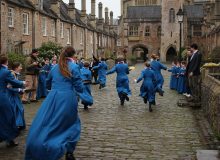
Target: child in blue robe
[(148, 86), (157, 66), (174, 75), (181, 89), (14, 97), (122, 81), (102, 68), (56, 127), (41, 89), (8, 128), (87, 80)]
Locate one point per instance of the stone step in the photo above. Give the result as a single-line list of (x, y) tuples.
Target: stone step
[(207, 155)]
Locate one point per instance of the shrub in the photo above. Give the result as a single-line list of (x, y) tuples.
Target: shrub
[(49, 49), (16, 57)]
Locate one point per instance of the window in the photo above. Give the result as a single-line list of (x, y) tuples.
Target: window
[(147, 31), (133, 31), (53, 28), (10, 17), (91, 39), (197, 30), (81, 37), (159, 31), (25, 23), (172, 16), (44, 26), (40, 4), (61, 30), (68, 35)]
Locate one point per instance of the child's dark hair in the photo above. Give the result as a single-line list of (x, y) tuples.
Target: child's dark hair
[(15, 65), (3, 59), (46, 59), (147, 64), (86, 64), (183, 62)]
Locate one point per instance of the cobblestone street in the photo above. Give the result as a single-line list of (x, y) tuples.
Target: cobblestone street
[(111, 131)]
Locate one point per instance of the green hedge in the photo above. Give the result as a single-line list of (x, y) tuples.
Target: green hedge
[(49, 49), (16, 57)]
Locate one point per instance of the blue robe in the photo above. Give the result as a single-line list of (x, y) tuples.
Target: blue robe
[(102, 69), (173, 79), (14, 97), (182, 81), (8, 128), (41, 88), (147, 90), (122, 81), (56, 128), (156, 66), (86, 76)]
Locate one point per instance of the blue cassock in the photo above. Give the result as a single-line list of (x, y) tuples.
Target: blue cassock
[(156, 67), (173, 79), (86, 78), (102, 68), (56, 128), (14, 98), (147, 89), (181, 88), (8, 128), (41, 88), (122, 81)]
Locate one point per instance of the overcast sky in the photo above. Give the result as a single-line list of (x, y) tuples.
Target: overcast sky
[(113, 5)]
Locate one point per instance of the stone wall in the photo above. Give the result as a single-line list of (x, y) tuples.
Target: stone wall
[(211, 100)]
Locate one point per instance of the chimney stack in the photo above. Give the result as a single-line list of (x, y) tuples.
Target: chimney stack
[(100, 11), (106, 16), (111, 18), (83, 8), (93, 9), (71, 9)]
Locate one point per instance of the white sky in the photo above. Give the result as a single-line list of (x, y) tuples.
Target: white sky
[(113, 5)]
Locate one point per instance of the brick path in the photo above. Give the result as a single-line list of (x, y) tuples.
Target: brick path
[(110, 131)]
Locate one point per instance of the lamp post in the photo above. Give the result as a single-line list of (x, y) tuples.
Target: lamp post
[(180, 15)]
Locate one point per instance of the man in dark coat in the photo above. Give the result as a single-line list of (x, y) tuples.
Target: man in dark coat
[(193, 72)]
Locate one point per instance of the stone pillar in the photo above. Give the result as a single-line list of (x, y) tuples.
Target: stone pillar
[(71, 9), (106, 16), (72, 3), (93, 9), (111, 18)]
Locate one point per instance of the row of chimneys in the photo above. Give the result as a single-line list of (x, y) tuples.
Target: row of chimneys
[(93, 16)]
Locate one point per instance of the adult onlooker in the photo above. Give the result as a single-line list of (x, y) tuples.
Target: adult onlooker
[(32, 71), (193, 72)]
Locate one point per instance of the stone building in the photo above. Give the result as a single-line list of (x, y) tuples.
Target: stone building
[(26, 24), (151, 26)]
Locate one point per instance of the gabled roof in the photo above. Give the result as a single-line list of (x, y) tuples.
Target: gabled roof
[(194, 11), (22, 3), (144, 12)]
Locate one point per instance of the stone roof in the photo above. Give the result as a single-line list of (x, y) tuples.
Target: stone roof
[(194, 11), (22, 3), (144, 12)]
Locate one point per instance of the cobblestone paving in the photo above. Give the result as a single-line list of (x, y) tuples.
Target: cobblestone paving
[(111, 131)]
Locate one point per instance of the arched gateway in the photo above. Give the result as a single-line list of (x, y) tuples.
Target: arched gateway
[(171, 54), (140, 51)]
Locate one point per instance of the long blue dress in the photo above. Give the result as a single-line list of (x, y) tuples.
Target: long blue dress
[(156, 66), (41, 88), (86, 78), (14, 97), (102, 69), (122, 81), (182, 81), (56, 128), (8, 128), (173, 79), (147, 90)]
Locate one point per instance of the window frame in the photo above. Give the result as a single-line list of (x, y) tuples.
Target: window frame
[(61, 30), (44, 26), (11, 16), (25, 25), (68, 36), (147, 31), (53, 28)]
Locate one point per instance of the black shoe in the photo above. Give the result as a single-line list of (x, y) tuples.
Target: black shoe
[(122, 102), (25, 102), (150, 108), (34, 101), (127, 98), (161, 93), (69, 156), (100, 86), (145, 100), (86, 107), (12, 144)]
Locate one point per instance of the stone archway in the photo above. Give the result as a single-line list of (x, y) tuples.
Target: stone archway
[(140, 51), (171, 54)]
